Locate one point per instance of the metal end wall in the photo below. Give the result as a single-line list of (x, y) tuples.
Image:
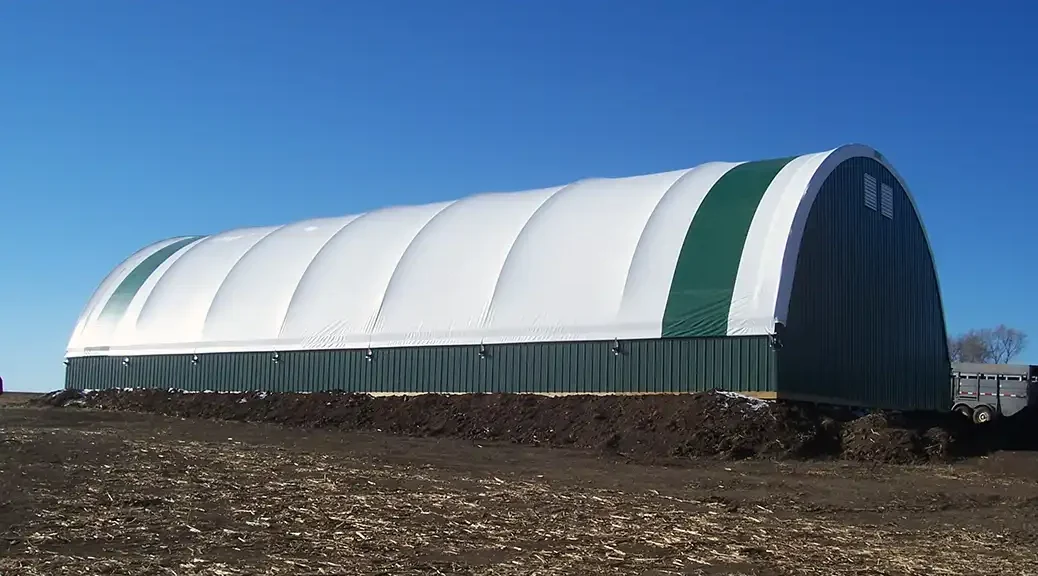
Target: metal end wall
[(865, 324), (643, 366)]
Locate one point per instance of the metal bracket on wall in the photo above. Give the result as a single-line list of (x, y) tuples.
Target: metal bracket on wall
[(482, 351), (276, 358), (194, 359), (615, 349), (369, 355), (775, 339)]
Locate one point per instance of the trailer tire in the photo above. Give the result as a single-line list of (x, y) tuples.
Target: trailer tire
[(983, 415), (965, 411)]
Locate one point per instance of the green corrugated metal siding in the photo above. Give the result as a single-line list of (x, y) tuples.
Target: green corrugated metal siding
[(665, 365), (865, 323)]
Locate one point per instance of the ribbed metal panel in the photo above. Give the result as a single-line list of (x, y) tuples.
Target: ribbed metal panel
[(666, 365), (865, 323)]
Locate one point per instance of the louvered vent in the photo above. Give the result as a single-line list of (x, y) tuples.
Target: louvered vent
[(887, 199), (870, 191)]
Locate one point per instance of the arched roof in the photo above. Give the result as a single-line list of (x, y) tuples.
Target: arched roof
[(709, 250)]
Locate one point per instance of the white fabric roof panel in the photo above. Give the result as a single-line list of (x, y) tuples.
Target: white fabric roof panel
[(595, 259)]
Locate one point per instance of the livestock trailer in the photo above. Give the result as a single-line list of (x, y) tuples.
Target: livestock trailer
[(983, 391)]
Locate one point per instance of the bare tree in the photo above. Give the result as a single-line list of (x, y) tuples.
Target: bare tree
[(999, 345), (1006, 343), (971, 346), (955, 349)]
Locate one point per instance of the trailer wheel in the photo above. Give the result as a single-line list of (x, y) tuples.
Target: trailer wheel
[(983, 415), (964, 411)]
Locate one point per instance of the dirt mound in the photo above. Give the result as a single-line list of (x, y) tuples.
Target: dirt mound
[(643, 427), (60, 399), (651, 428), (881, 437)]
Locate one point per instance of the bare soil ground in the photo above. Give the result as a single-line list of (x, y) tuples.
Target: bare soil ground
[(111, 489)]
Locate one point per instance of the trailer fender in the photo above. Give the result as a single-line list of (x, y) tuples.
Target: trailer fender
[(963, 409)]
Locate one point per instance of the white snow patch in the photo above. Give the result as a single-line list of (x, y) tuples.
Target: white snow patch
[(259, 394), (74, 397), (754, 402)]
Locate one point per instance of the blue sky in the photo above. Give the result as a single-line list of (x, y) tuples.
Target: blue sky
[(126, 122)]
